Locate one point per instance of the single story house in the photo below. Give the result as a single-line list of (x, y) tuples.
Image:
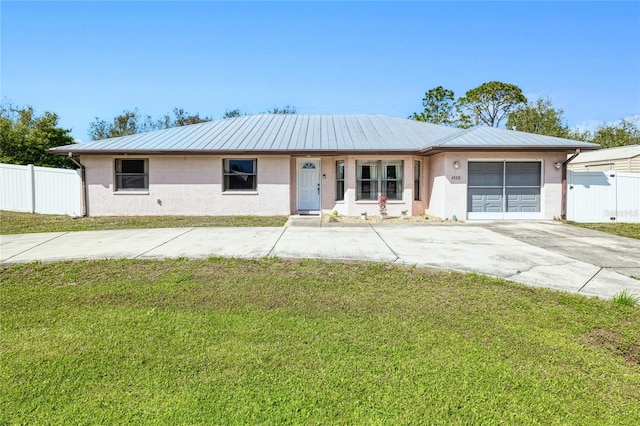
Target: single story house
[(281, 164), (621, 159)]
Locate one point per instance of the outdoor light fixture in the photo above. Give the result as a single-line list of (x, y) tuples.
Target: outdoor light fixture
[(557, 165), (456, 164)]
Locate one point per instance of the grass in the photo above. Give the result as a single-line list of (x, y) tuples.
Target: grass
[(270, 341), (22, 223), (631, 230), (625, 298)]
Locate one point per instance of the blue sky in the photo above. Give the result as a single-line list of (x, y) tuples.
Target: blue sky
[(83, 60)]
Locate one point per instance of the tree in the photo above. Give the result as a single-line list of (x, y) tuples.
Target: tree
[(132, 122), (232, 113), (540, 118), (580, 135), (127, 123), (622, 134), (440, 107), (490, 102), (180, 118), (625, 132), (288, 109), (25, 137)]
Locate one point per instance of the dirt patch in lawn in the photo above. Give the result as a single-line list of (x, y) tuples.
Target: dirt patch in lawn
[(616, 343)]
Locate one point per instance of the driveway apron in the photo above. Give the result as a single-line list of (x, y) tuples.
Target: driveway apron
[(619, 254), (475, 248)]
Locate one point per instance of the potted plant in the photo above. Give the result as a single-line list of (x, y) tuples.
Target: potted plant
[(382, 203), (363, 215), (403, 214)]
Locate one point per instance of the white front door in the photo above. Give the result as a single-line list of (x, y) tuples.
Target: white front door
[(308, 184)]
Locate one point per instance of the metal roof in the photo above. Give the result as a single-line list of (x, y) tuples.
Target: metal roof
[(272, 133), (491, 137), (618, 153)]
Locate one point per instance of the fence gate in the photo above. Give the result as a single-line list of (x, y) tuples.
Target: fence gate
[(608, 196)]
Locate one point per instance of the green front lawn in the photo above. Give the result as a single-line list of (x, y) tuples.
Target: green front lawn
[(631, 230), (270, 341), (21, 223)]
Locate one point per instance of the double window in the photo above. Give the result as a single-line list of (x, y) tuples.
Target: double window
[(376, 178), (132, 174), (240, 174)]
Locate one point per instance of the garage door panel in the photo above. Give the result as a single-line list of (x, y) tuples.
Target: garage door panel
[(485, 200), (525, 200)]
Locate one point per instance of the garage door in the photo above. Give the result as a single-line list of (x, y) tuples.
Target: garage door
[(504, 190)]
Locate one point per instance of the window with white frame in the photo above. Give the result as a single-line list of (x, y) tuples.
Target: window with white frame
[(374, 178), (132, 174), (240, 174), (340, 180), (417, 166)]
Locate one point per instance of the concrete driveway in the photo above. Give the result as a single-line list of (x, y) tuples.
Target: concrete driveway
[(608, 251), (543, 254)]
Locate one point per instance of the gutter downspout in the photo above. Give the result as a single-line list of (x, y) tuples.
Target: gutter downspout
[(563, 212), (83, 177)]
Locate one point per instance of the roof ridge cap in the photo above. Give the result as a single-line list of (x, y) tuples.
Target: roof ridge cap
[(449, 138)]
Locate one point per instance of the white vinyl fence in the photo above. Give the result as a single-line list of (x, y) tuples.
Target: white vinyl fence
[(603, 196), (40, 190)]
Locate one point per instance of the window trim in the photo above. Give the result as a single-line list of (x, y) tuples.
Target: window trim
[(417, 175), (116, 175), (380, 181), (340, 194), (254, 189)]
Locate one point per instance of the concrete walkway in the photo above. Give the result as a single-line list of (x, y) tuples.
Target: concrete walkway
[(543, 254)]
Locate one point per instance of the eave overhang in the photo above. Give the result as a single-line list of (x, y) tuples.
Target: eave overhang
[(423, 151), (132, 152), (568, 149)]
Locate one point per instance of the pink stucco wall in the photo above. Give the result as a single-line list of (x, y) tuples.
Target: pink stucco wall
[(448, 186), (437, 185), (192, 185), (188, 185), (352, 207)]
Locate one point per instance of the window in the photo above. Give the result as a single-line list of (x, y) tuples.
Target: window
[(340, 180), (367, 180), (240, 174), (384, 177), (417, 166), (392, 179), (132, 174)]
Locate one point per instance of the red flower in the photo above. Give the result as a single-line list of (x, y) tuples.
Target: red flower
[(382, 202)]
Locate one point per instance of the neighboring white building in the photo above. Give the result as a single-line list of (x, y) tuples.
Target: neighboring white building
[(622, 159), (272, 164)]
